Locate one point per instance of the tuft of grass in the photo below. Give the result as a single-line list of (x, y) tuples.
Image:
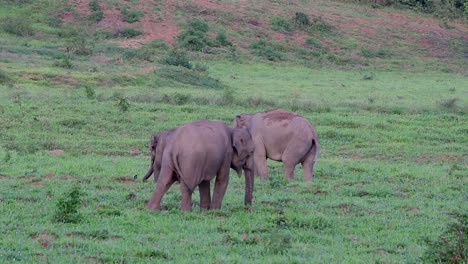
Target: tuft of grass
[(130, 33), (5, 78), (281, 24), (96, 11), (123, 104), (195, 37), (90, 93), (449, 103), (131, 16)]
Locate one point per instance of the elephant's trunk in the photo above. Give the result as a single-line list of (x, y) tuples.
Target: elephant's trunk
[(249, 185), (149, 173)]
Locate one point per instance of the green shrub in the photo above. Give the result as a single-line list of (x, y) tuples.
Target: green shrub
[(451, 246), (320, 25), (65, 62), (380, 53), (19, 26), (96, 11), (301, 20), (281, 24), (90, 93), (123, 104), (131, 16), (67, 207), (150, 51), (221, 39), (130, 33), (266, 50), (5, 77), (177, 58), (78, 40), (195, 37)]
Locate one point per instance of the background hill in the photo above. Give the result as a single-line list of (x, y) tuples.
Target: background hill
[(84, 84)]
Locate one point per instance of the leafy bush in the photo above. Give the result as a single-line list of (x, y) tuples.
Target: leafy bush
[(301, 20), (78, 40), (130, 33), (452, 245), (221, 39), (281, 24), (65, 62), (5, 77), (319, 25), (19, 26), (150, 51), (90, 93), (186, 76), (131, 16), (177, 58), (96, 11), (381, 53), (123, 104), (195, 37), (266, 50), (67, 208)]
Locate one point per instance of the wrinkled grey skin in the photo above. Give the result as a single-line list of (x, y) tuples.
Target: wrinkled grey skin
[(197, 153), (284, 136)]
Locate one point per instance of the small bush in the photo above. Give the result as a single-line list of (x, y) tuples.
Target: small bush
[(301, 20), (221, 40), (150, 51), (65, 62), (90, 93), (67, 208), (451, 246), (449, 103), (368, 76), (96, 11), (131, 16), (19, 26), (195, 37), (320, 25), (281, 24), (123, 104), (381, 53), (5, 77), (266, 50), (78, 40), (177, 58), (130, 33)]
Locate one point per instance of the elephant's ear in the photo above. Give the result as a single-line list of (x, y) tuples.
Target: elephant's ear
[(153, 142), (242, 143)]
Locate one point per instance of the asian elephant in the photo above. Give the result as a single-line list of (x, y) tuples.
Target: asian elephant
[(198, 152), (282, 136)]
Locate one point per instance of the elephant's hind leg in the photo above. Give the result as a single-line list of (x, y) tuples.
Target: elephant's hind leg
[(163, 184), (309, 162), (292, 155), (186, 203), (205, 197), (260, 160)]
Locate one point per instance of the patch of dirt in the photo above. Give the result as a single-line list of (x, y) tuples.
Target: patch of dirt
[(356, 155), (68, 80), (91, 259), (414, 209), (26, 178), (3, 177), (36, 183), (135, 150), (68, 177), (440, 157), (45, 239), (56, 152), (126, 180), (49, 175)]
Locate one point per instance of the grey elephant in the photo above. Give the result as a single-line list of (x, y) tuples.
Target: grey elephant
[(198, 152), (284, 136)]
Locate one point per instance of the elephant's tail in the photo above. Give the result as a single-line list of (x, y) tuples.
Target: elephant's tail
[(315, 149)]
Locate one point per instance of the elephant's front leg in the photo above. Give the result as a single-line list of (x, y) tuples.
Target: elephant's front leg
[(186, 203), (205, 197), (220, 187)]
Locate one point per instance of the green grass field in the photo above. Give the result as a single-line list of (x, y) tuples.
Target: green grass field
[(390, 184)]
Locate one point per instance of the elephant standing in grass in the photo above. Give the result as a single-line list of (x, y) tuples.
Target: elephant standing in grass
[(198, 152), (282, 136)]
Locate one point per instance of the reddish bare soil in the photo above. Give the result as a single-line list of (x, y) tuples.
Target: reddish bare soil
[(371, 28)]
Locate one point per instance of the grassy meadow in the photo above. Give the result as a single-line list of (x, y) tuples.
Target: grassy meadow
[(390, 184)]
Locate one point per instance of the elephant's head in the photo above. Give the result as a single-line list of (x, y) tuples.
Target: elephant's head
[(152, 146), (242, 159), (242, 121)]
